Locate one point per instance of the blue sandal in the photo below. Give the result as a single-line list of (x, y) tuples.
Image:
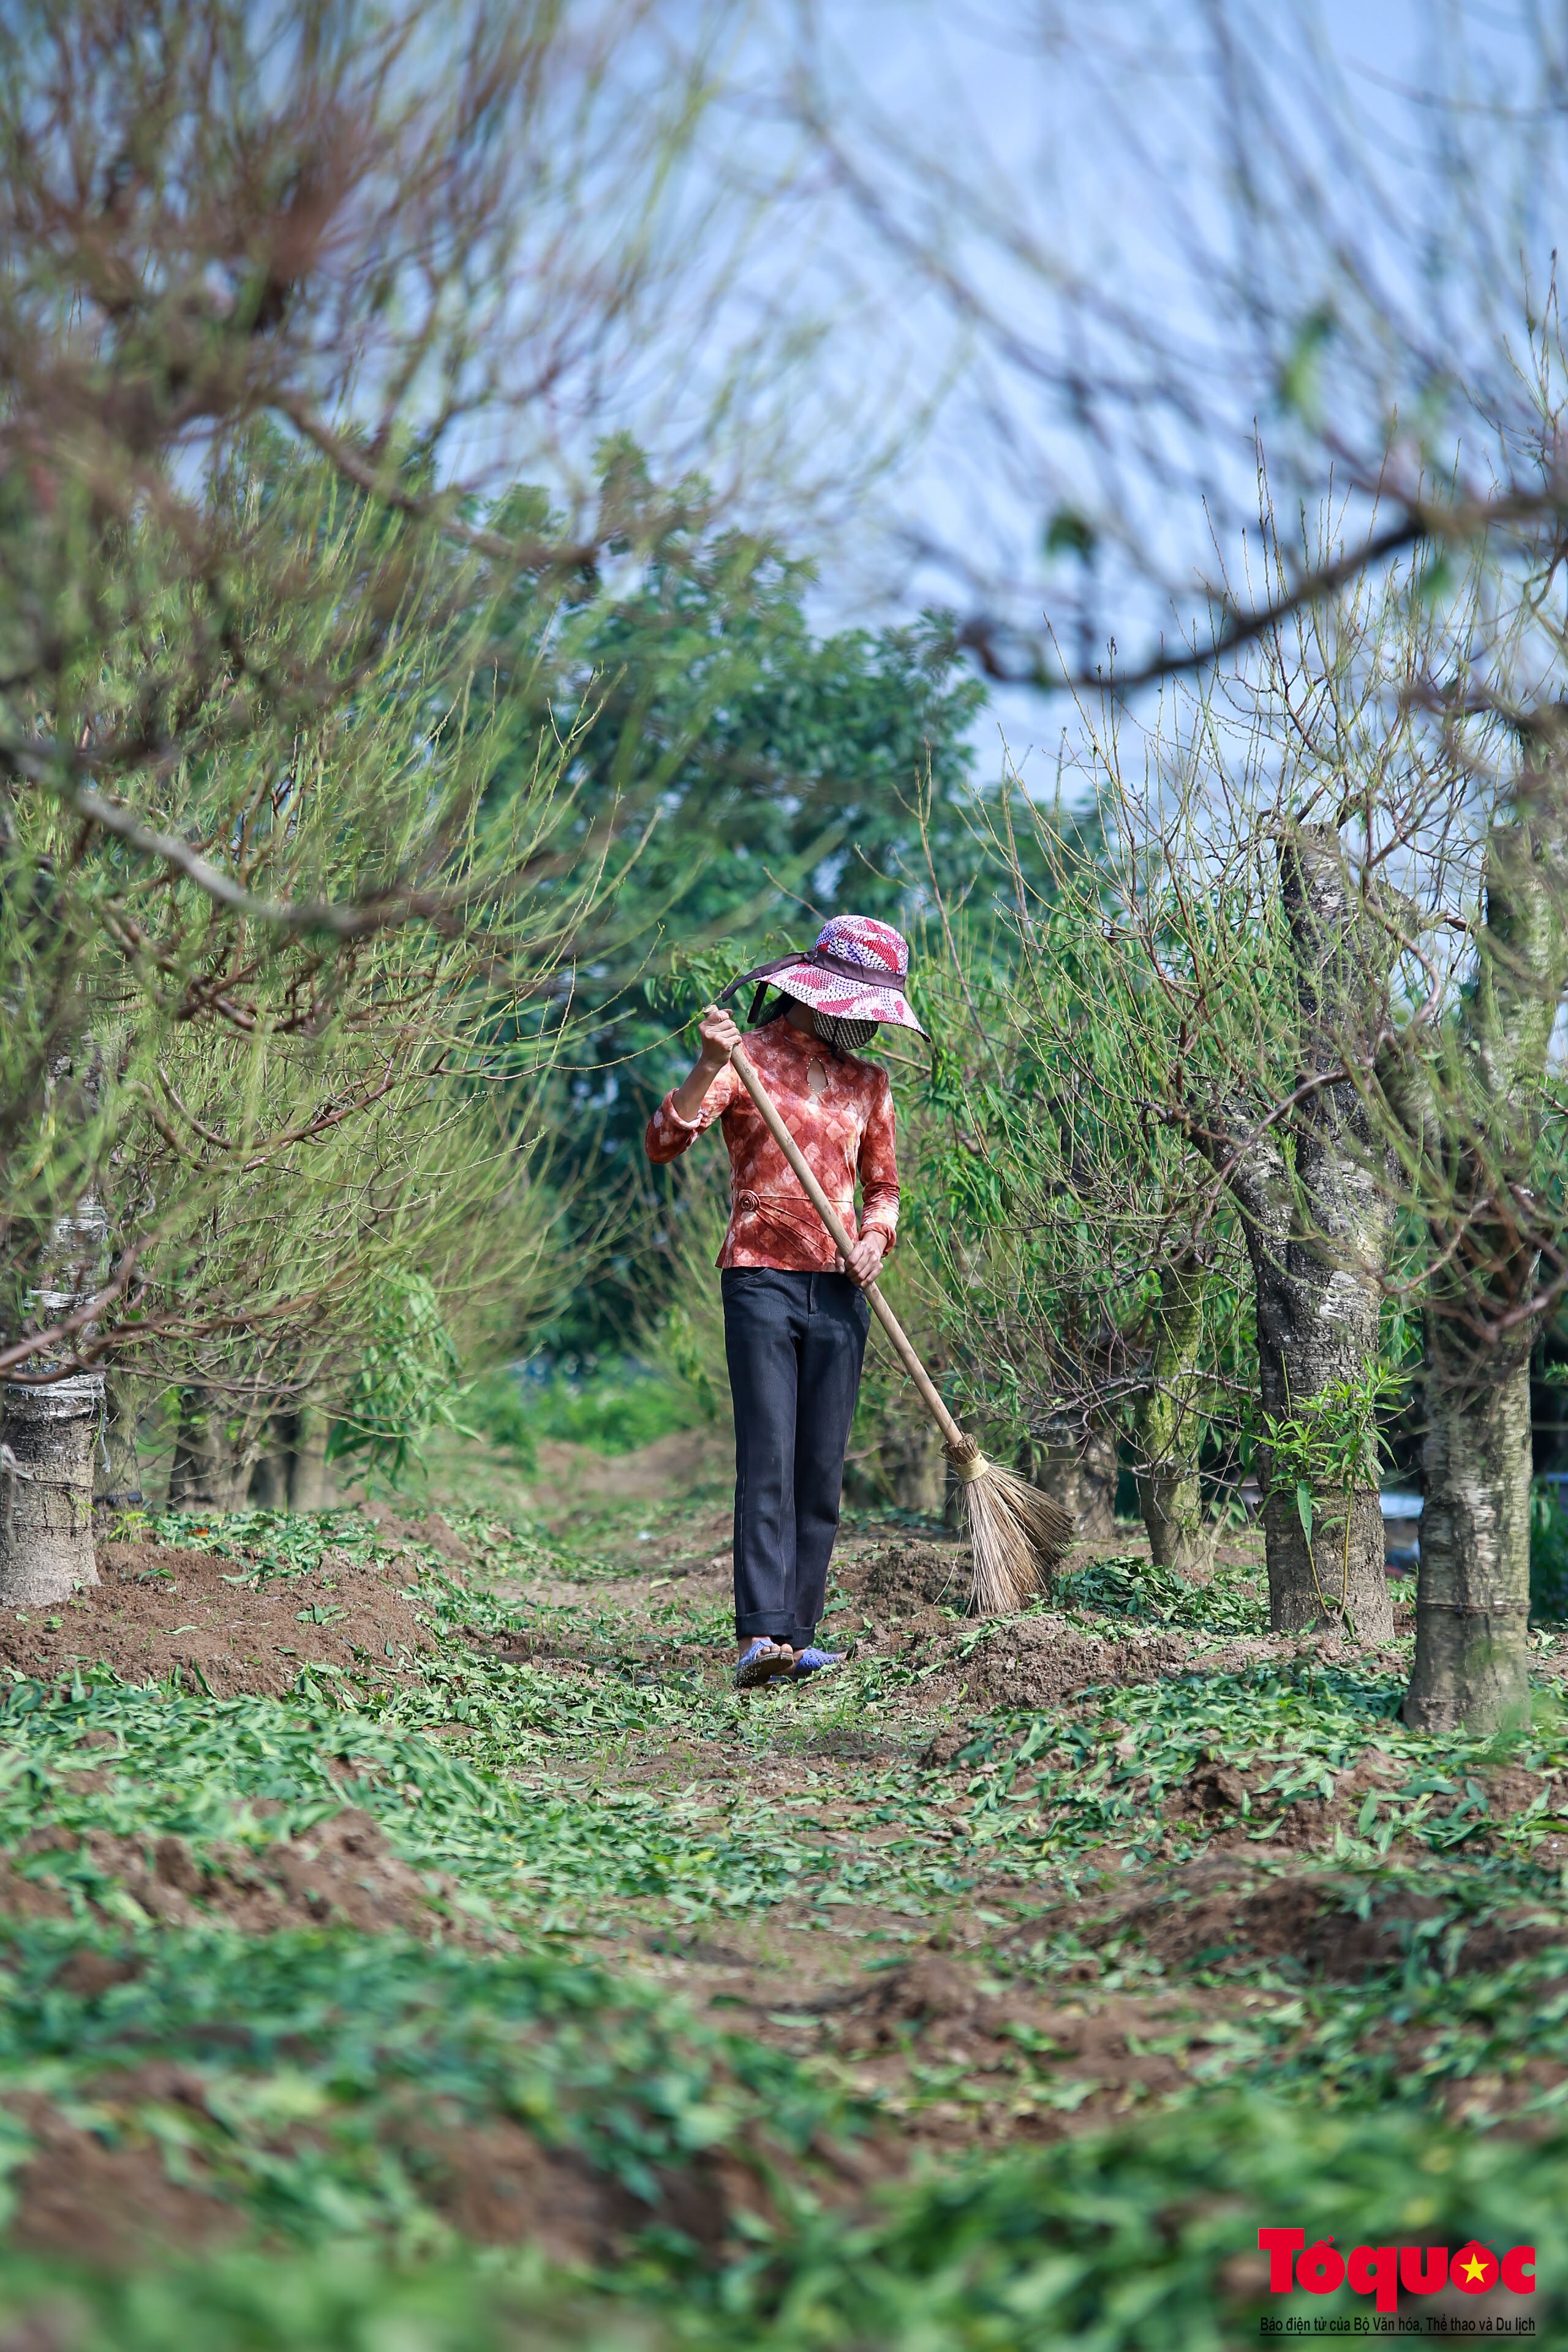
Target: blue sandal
[(763, 1662), (813, 1661)]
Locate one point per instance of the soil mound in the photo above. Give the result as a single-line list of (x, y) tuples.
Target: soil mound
[(1221, 1914), (1099, 2054), (431, 1531), (342, 1872), (104, 2195), (942, 1751), (903, 1578), (1232, 1803), (1017, 1662), (160, 1613), (1033, 1662), (927, 1990), (494, 2183), (80, 2197)]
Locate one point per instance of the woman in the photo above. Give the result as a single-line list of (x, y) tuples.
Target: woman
[(795, 1320)]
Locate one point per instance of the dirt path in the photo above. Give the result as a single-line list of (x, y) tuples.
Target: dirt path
[(985, 1885), (978, 1982)]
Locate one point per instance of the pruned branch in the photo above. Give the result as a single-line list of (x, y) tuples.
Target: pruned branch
[(38, 1343)]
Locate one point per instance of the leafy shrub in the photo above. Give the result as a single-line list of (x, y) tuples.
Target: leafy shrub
[(499, 1408), (406, 1383), (612, 1409)]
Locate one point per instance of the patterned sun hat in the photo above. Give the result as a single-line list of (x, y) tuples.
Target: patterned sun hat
[(855, 971)]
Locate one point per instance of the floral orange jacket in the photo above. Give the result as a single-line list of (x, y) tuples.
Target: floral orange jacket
[(840, 1112)]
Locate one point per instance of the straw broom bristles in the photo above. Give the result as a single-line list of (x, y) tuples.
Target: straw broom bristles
[(1018, 1534)]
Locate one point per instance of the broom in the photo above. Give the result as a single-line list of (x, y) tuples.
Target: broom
[(1019, 1535)]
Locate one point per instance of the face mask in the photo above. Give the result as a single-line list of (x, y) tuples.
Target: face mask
[(848, 1036)]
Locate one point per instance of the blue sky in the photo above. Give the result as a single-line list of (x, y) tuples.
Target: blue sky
[(918, 456), (1049, 137)]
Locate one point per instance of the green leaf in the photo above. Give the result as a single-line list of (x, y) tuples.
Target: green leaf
[(1071, 533), (1304, 1508), (1300, 377)]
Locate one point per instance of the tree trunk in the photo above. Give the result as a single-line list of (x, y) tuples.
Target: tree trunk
[(273, 1472), (1479, 1124), (290, 1469), (1338, 1576), (1472, 1600), (1319, 1230), (117, 1475), (269, 1488), (50, 1439), (1077, 1468), (914, 1465), (49, 1443), (307, 1482), (1316, 1325), (1339, 1580), (214, 1453), (1168, 1427)]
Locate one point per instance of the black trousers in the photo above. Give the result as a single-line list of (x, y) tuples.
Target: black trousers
[(794, 1344)]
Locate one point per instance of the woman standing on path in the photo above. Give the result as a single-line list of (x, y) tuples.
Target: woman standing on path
[(795, 1320)]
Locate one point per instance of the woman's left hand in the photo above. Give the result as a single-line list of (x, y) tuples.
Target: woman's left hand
[(862, 1264)]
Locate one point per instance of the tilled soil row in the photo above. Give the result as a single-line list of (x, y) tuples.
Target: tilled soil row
[(161, 1614), (342, 1873), (905, 1591)]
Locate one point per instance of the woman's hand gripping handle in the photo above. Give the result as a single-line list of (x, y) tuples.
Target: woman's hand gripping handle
[(718, 1037)]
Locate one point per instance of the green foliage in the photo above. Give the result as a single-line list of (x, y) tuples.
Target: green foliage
[(594, 2067), (266, 928), (784, 775), (496, 1404), (614, 1410), (1128, 1585), (407, 1379), (1128, 2241), (1055, 1184), (694, 977), (689, 1337), (1300, 382), (1069, 532), (274, 1118), (367, 2019), (345, 2297), (1330, 1445), (1131, 2240), (614, 1406), (1548, 1556)]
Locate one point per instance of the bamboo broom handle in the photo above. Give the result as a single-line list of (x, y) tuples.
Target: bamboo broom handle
[(884, 1314)]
